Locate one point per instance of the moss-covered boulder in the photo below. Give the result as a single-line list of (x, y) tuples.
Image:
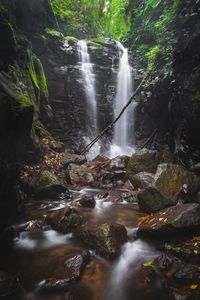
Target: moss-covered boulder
[(106, 239), (65, 220), (48, 185), (175, 181), (151, 200), (143, 160)]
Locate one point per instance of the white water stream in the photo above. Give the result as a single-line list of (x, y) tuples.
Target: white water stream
[(90, 93), (89, 85), (123, 131)]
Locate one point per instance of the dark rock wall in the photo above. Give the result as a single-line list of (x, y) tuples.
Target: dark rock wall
[(23, 105), (173, 105), (61, 62)]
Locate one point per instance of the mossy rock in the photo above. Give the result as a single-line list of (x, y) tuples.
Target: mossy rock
[(175, 181), (95, 44), (106, 239), (48, 185), (143, 160), (65, 220)]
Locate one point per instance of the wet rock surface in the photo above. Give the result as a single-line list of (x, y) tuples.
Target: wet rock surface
[(175, 181), (106, 239), (179, 219), (151, 200), (86, 201), (65, 220), (75, 265)]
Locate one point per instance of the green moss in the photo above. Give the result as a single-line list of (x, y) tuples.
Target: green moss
[(19, 103), (151, 56), (54, 33), (98, 40), (46, 179), (41, 78), (71, 38), (23, 100), (93, 43)]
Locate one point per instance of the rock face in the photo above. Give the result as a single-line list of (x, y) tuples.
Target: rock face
[(173, 107), (151, 200), (65, 220), (177, 219), (106, 239), (175, 181), (48, 185), (66, 87), (24, 104), (143, 160)]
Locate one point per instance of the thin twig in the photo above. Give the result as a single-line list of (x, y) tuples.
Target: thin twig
[(150, 138)]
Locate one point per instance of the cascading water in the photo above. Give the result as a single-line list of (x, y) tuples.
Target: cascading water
[(90, 93), (123, 132)]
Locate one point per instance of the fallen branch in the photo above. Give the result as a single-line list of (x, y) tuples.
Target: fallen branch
[(99, 136)]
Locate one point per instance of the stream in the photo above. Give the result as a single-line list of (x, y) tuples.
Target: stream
[(36, 256)]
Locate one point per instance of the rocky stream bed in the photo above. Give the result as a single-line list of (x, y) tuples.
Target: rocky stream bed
[(105, 229)]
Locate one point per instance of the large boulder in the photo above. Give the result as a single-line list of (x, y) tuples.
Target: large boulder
[(65, 220), (151, 200), (48, 185), (106, 239), (143, 160), (179, 219), (175, 181)]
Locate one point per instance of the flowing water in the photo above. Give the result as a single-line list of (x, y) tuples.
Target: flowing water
[(88, 76), (123, 131), (36, 256)]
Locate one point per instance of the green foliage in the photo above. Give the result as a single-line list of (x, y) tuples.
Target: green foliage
[(149, 264), (54, 33), (149, 36), (151, 56), (98, 17)]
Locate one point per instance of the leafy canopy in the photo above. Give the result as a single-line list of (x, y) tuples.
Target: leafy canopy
[(104, 18)]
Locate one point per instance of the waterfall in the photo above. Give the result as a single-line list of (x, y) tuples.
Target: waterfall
[(123, 131), (89, 86), (90, 94)]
